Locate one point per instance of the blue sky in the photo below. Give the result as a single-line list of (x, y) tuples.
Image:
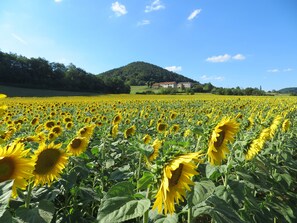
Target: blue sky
[(245, 43)]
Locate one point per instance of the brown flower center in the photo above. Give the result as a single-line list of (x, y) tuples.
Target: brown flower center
[(46, 161), (7, 167), (76, 143), (220, 139), (176, 175)]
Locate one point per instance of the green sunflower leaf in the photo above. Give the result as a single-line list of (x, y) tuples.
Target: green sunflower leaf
[(119, 209), (5, 191)]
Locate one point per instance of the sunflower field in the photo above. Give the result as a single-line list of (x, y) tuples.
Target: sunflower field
[(136, 158)]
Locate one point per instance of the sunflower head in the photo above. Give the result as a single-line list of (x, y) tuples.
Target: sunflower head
[(50, 160), (176, 180), (78, 145), (146, 139), (130, 131), (223, 133), (87, 131), (15, 165), (161, 127), (117, 119)]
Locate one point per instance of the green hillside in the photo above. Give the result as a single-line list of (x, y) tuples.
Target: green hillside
[(289, 90), (140, 73)]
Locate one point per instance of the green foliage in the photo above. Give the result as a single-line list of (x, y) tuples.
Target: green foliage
[(38, 73), (141, 73), (5, 193)]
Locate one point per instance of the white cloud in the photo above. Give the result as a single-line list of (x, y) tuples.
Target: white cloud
[(18, 38), (211, 78), (273, 70), (58, 1), (155, 6), (238, 57), (174, 68), (144, 22), (219, 59), (118, 9), (194, 14), (287, 69), (224, 58)]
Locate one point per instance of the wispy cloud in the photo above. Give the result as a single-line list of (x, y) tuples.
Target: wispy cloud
[(287, 69), (144, 22), (211, 78), (155, 6), (18, 38), (224, 58), (273, 70), (174, 68), (118, 9), (238, 57), (194, 14), (219, 59), (277, 70), (58, 1)]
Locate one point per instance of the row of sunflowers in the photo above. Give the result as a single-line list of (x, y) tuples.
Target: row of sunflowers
[(135, 158)]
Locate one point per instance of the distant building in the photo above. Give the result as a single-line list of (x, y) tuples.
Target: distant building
[(184, 85), (156, 85), (171, 84)]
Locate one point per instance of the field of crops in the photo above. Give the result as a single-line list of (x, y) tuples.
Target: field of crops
[(129, 158)]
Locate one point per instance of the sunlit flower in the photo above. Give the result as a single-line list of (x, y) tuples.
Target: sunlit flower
[(78, 145), (146, 139), (223, 133), (87, 131), (50, 161), (176, 179), (130, 131), (117, 119), (156, 146), (161, 127), (15, 165), (286, 125)]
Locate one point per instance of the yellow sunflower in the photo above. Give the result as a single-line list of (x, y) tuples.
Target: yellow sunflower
[(286, 125), (87, 131), (156, 146), (146, 139), (14, 165), (78, 145), (223, 133), (117, 119), (130, 131), (161, 127), (114, 131), (50, 160), (174, 129), (175, 182)]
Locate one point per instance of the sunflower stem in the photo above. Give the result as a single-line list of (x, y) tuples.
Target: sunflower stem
[(29, 192), (190, 216), (145, 215)]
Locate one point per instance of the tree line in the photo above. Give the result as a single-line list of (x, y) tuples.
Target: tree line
[(17, 70)]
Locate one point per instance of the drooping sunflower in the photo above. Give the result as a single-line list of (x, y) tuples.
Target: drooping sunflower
[(130, 131), (223, 133), (285, 125), (175, 182), (156, 146), (146, 139), (114, 131), (274, 126), (78, 145), (174, 129), (117, 119), (15, 165), (257, 144), (50, 161)]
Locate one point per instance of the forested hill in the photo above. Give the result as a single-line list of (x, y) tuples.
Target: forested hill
[(20, 71), (140, 73), (291, 90)]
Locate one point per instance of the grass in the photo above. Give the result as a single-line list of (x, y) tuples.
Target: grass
[(135, 89)]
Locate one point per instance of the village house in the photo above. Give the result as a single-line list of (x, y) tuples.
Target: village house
[(184, 85), (172, 84)]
